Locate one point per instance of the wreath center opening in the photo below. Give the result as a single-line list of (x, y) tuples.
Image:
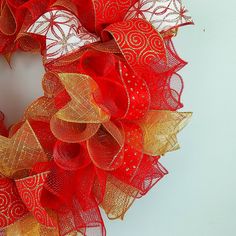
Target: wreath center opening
[(20, 84)]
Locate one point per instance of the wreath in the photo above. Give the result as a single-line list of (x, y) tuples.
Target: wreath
[(109, 111)]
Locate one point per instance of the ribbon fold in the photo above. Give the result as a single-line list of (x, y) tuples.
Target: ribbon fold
[(109, 111)]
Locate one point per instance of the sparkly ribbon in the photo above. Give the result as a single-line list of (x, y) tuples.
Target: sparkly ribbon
[(108, 113)]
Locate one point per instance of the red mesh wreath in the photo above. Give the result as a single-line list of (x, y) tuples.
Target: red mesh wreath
[(109, 111)]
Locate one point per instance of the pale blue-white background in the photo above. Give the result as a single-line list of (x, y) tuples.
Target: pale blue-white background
[(198, 197)]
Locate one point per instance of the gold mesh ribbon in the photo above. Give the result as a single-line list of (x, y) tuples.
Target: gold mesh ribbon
[(20, 152), (42, 109), (118, 198), (28, 226), (81, 108), (160, 130), (81, 118)]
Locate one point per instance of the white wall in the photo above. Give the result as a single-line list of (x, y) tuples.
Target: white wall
[(198, 197), (19, 85)]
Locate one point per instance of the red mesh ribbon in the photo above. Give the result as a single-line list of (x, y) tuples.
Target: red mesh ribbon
[(15, 18), (108, 113)]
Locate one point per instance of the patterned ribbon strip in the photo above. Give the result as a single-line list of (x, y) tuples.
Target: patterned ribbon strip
[(108, 113)]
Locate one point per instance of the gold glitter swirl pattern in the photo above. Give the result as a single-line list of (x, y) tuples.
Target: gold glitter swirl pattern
[(30, 191), (138, 48), (11, 206)]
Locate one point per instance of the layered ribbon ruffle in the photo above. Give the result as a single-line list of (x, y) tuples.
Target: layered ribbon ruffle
[(109, 111)]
